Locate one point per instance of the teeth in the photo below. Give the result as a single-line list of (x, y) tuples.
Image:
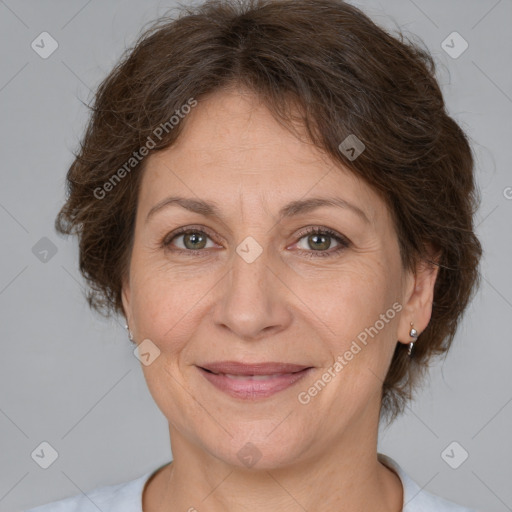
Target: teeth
[(251, 377)]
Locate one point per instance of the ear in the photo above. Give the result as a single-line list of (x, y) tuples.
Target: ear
[(418, 298)]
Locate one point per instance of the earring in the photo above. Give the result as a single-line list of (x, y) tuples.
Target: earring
[(413, 333), (130, 335)]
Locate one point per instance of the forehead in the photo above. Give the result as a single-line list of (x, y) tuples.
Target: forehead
[(231, 143), (236, 125)]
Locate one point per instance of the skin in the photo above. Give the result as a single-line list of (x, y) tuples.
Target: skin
[(284, 306)]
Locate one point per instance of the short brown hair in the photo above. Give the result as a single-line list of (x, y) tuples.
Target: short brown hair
[(345, 76)]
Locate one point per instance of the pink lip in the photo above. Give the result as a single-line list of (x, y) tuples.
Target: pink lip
[(249, 389)]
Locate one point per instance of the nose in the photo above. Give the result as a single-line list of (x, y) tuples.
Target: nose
[(252, 300)]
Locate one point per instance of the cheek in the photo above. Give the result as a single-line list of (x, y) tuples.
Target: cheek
[(167, 304), (361, 310), (360, 306), (353, 297), (166, 312)]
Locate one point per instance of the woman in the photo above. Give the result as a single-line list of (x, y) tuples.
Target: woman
[(273, 196)]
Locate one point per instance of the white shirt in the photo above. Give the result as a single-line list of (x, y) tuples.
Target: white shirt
[(127, 496)]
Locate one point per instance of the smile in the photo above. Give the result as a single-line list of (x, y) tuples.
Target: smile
[(253, 387)]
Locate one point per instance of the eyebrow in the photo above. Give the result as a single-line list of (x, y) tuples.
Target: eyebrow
[(298, 207)]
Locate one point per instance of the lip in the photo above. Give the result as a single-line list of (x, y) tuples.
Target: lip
[(245, 386)]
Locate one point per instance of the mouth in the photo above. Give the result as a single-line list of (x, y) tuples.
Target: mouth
[(254, 381)]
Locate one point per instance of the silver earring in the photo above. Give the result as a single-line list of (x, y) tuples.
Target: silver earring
[(413, 333), (130, 335)]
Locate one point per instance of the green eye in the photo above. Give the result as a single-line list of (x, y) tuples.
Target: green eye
[(191, 240), (194, 240), (319, 240)]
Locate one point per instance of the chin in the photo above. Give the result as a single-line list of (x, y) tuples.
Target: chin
[(256, 451)]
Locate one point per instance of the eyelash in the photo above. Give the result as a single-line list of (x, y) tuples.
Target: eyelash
[(343, 242)]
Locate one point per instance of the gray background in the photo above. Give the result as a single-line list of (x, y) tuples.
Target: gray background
[(69, 377)]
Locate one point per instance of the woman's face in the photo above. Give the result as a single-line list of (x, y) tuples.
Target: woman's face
[(252, 285)]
